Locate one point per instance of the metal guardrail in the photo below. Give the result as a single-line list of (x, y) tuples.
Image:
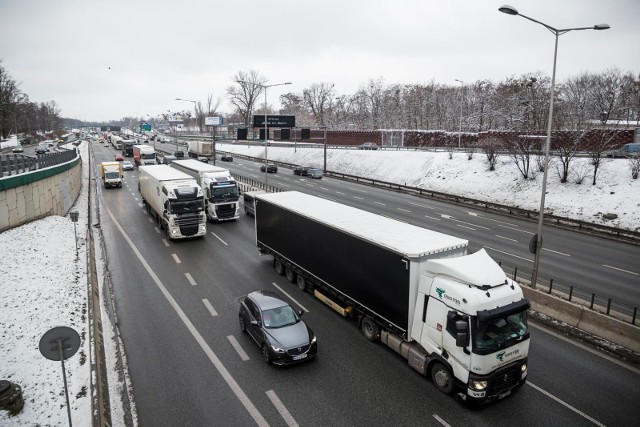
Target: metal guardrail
[(14, 164)]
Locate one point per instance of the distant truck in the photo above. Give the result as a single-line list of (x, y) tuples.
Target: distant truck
[(116, 142), (220, 188), (126, 145), (455, 317), (111, 173), (144, 155), (175, 199), (199, 149)]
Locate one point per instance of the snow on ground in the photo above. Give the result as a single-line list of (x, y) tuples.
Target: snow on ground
[(43, 285), (615, 191)]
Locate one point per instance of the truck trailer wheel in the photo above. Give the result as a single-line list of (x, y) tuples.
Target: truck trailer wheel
[(277, 264), (301, 282), (290, 274), (370, 329), (442, 378)]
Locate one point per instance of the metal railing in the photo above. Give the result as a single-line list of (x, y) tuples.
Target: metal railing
[(14, 164)]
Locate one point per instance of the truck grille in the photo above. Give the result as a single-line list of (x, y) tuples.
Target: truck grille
[(188, 224), (226, 211), (505, 380)]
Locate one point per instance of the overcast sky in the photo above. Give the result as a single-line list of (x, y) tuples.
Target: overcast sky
[(104, 60)]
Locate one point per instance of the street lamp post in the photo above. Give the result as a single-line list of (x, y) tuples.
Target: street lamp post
[(536, 245), (195, 110), (266, 128), (460, 128)]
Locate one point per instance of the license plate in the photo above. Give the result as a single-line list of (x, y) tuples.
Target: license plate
[(505, 394), (300, 356)]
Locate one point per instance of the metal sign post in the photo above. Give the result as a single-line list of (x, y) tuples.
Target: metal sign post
[(59, 344)]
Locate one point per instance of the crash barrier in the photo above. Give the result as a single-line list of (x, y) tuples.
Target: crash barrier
[(248, 184), (15, 164), (50, 189)]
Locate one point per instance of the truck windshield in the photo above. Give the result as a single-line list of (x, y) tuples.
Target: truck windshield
[(188, 206), (111, 175), (224, 193), (496, 332), (148, 156)]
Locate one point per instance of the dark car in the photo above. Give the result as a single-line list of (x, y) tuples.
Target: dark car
[(368, 146), (301, 170), (41, 149), (226, 158), (179, 154), (271, 168), (277, 328)]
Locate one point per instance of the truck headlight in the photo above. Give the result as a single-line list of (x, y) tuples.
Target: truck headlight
[(523, 370), (477, 385)]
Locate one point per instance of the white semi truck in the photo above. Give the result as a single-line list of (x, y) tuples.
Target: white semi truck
[(220, 188), (144, 155), (455, 317), (200, 149), (175, 199)]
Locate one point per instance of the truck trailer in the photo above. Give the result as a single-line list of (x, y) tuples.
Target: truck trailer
[(200, 149), (111, 173), (454, 316), (175, 199), (220, 188), (144, 155)]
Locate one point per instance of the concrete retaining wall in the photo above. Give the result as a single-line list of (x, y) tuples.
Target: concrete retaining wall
[(600, 325), (34, 195)]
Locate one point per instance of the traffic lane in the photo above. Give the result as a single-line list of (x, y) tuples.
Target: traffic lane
[(165, 364), (583, 379)]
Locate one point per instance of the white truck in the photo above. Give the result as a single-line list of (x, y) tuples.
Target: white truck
[(220, 188), (455, 317), (200, 149), (144, 155), (111, 173), (175, 199)]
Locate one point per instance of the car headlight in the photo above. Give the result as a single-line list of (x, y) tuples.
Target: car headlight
[(277, 349), (477, 385), (313, 340)]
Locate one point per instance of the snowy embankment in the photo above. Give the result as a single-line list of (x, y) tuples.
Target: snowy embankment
[(615, 191)]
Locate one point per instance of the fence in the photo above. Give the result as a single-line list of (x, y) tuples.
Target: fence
[(15, 164)]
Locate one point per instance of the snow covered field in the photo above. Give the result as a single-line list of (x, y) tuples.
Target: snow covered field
[(42, 285)]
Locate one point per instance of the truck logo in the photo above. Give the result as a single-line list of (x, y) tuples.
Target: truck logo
[(500, 356), (503, 354), (440, 292)]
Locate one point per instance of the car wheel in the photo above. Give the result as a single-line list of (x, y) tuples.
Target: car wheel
[(302, 284), (370, 329), (291, 275), (266, 356), (442, 378), (277, 264), (243, 327)]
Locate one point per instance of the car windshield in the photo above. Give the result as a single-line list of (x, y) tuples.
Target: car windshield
[(279, 317), (496, 332)]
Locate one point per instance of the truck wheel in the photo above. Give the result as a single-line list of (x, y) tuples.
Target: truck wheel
[(442, 378), (302, 284), (277, 264), (370, 329), (291, 275)]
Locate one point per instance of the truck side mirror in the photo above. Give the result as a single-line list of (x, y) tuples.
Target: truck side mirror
[(462, 339)]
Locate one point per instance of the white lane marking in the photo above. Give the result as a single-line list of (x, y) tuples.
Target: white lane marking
[(176, 259), (555, 252), (286, 415), (507, 253), (420, 205), (432, 217), (515, 228), (291, 298), (231, 382), (236, 345), (151, 220), (212, 310), (464, 226), (378, 203), (620, 269), (566, 405), (441, 421), (342, 194), (357, 189), (463, 222), (404, 210), (322, 188), (166, 243), (505, 238), (190, 279), (358, 197), (473, 214), (285, 185), (217, 237), (157, 230)]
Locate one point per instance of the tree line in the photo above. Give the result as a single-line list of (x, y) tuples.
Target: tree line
[(19, 115)]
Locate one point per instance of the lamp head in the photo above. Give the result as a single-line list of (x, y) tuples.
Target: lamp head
[(601, 27), (509, 10)]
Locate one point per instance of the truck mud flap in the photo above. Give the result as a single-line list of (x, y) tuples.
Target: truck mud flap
[(344, 311)]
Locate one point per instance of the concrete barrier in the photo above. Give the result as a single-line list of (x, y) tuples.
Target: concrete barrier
[(580, 317), (37, 194)]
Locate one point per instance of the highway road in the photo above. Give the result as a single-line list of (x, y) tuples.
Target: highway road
[(177, 306)]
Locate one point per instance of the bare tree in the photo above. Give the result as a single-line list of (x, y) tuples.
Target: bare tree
[(634, 165), (318, 99), (491, 149), (243, 95)]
